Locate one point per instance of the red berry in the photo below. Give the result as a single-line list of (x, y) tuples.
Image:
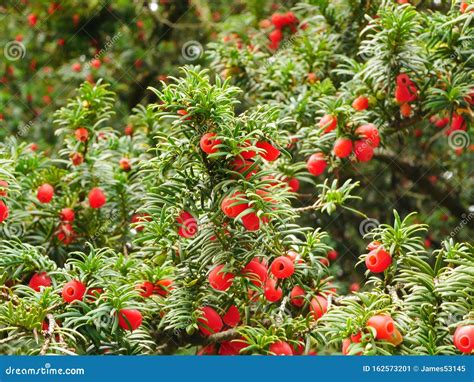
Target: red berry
[(45, 193), (464, 338), (163, 287), (369, 133), (282, 267), (271, 292), (73, 290), (343, 147), (316, 164), (232, 316), (280, 348), (294, 184), (384, 326), (209, 321), (187, 225), (137, 218), (405, 110), (275, 37), (220, 280), (356, 337), (256, 272), (328, 123), (82, 134), (76, 158), (93, 294), (67, 215), (363, 151), (146, 289), (208, 143), (76, 67), (124, 164), (312, 78), (247, 154), (66, 234), (235, 204), (39, 280), (32, 19), (3, 188), (242, 166), (207, 350), (269, 152), (354, 287), (297, 296), (378, 260), (182, 112), (95, 63), (332, 255), (360, 103), (405, 91), (251, 221), (318, 306), (129, 319), (345, 346), (97, 198), (3, 211), (232, 347), (373, 245), (128, 130), (278, 20)]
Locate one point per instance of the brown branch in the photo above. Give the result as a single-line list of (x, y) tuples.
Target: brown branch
[(48, 334)]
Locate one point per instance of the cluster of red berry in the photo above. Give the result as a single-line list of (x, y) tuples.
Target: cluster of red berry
[(237, 203), (267, 278), (405, 92), (3, 207), (280, 22), (65, 232), (75, 290), (366, 140)]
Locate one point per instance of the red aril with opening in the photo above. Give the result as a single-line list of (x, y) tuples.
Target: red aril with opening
[(209, 142), (384, 326), (378, 260), (464, 338), (282, 267), (73, 290)]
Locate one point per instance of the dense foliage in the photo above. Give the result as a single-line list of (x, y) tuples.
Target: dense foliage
[(239, 205)]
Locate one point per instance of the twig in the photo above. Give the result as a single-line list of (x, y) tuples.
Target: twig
[(48, 335)]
